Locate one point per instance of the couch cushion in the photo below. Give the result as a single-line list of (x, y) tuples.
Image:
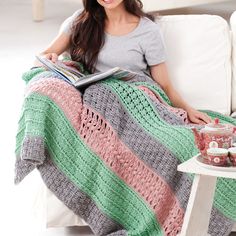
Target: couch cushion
[(199, 59), (233, 29)]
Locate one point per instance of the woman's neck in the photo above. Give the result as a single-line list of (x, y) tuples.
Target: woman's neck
[(117, 15), (119, 21)]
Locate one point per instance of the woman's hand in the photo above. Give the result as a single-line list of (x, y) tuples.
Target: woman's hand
[(51, 56), (198, 117)]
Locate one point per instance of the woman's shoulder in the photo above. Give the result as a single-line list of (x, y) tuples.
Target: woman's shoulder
[(76, 13), (67, 24), (150, 26)]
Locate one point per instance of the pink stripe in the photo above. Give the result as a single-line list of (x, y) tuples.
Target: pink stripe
[(182, 114), (151, 94), (92, 126), (63, 94)]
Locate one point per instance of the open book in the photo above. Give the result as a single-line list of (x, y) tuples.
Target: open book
[(76, 78)]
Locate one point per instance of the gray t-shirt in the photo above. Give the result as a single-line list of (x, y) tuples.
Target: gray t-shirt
[(135, 51)]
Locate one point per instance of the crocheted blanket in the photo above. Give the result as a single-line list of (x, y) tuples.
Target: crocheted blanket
[(110, 153)]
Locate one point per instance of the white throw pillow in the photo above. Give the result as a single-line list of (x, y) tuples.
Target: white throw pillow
[(199, 59)]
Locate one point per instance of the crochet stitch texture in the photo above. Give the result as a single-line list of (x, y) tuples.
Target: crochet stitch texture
[(111, 155)]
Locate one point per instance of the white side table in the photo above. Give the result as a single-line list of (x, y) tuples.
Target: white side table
[(197, 215)]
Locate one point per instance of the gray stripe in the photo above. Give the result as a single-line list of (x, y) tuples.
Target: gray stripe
[(220, 225), (32, 154), (22, 169), (118, 233), (32, 150), (80, 203), (42, 75), (165, 114)]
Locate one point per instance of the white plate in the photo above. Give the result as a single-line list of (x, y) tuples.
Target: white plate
[(219, 168)]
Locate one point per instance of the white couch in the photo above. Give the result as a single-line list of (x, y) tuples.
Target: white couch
[(149, 5), (201, 51), (158, 5)]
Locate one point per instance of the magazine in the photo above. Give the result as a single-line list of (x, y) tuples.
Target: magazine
[(78, 79)]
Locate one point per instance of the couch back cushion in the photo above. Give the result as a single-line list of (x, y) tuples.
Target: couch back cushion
[(199, 59), (233, 30)]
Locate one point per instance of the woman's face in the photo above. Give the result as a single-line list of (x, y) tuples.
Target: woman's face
[(110, 4)]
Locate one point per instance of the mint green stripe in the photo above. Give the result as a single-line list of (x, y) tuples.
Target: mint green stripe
[(156, 89), (177, 138), (87, 170), (223, 119), (225, 197)]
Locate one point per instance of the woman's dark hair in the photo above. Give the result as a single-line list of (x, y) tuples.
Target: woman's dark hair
[(88, 36)]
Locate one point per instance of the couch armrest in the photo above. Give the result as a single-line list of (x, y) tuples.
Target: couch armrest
[(58, 215), (50, 212)]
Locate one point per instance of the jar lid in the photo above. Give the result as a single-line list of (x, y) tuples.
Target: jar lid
[(216, 126)]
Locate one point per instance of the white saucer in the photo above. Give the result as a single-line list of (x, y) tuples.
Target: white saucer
[(219, 168)]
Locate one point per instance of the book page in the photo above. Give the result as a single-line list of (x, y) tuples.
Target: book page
[(78, 79)]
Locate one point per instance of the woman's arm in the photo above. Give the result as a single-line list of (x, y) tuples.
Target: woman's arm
[(160, 75), (59, 45)]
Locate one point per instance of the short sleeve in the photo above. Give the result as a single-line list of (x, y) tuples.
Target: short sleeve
[(66, 26), (154, 48)]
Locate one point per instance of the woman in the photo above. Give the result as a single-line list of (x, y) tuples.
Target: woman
[(111, 154), (109, 33)]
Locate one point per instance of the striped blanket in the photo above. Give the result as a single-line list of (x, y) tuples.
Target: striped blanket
[(110, 153)]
